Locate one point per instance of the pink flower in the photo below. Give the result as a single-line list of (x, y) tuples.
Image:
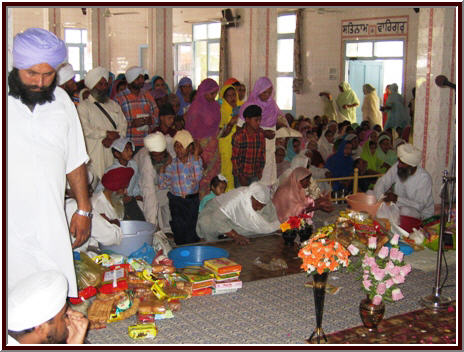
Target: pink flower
[(389, 283), (398, 279), (394, 253), (396, 294), (353, 250), (377, 300), (372, 243), (383, 253), (405, 269), (389, 266), (394, 240), (365, 276), (400, 256), (367, 284), (395, 271), (378, 274), (381, 288)]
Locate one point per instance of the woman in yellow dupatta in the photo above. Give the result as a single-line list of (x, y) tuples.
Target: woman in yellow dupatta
[(227, 128)]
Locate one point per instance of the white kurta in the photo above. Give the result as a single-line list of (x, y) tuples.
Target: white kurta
[(414, 196), (43, 146), (102, 231), (155, 201), (95, 124)]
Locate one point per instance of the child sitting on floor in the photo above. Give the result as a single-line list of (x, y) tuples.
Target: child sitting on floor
[(218, 186), (182, 177)]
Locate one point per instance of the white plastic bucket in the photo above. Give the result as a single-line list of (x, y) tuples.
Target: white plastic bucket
[(135, 234)]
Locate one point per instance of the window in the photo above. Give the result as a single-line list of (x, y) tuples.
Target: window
[(286, 24), (206, 51), (79, 55), (182, 61)]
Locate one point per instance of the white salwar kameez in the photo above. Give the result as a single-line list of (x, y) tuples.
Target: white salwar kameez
[(43, 146), (102, 231), (415, 197), (155, 200), (95, 124)]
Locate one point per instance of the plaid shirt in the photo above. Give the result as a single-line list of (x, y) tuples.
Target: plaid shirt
[(182, 179), (134, 105), (248, 153)]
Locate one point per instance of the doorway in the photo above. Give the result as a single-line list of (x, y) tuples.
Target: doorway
[(377, 63)]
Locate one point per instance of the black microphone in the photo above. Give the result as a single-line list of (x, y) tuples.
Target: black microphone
[(442, 81)]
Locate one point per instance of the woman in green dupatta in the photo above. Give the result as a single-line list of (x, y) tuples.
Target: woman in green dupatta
[(347, 101), (374, 164), (385, 151)]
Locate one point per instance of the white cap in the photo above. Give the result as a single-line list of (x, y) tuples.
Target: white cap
[(120, 143), (409, 154), (95, 75), (65, 73), (36, 299), (132, 73), (155, 142)]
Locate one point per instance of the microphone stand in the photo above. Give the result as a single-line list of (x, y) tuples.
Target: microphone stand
[(436, 301)]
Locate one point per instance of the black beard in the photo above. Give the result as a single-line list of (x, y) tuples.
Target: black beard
[(404, 173), (28, 97), (100, 96)]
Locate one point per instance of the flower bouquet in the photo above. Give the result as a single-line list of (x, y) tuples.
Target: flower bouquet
[(321, 255), (297, 225), (383, 271)]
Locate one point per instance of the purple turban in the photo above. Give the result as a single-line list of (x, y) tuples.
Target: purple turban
[(36, 46)]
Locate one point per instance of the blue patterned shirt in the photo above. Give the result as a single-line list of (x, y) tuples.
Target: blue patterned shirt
[(182, 179)]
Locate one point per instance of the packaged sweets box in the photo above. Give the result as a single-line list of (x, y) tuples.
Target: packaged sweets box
[(222, 265)]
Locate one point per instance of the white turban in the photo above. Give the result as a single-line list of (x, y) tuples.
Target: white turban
[(155, 142), (95, 75), (132, 73), (409, 154), (36, 299), (120, 144), (65, 73)]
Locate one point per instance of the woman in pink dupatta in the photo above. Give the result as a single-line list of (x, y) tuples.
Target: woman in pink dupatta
[(263, 96), (290, 199), (202, 121)]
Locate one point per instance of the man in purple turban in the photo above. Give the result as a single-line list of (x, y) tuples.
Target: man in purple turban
[(45, 147)]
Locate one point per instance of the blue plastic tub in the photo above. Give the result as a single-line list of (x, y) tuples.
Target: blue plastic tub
[(195, 255), (404, 247)]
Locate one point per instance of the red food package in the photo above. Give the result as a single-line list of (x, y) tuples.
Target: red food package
[(84, 294), (145, 318), (108, 288)]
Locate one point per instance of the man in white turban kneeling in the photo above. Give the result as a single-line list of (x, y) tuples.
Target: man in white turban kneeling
[(412, 187), (102, 121), (149, 160), (38, 312)]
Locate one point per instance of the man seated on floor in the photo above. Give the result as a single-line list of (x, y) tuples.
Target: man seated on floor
[(409, 186), (39, 314)]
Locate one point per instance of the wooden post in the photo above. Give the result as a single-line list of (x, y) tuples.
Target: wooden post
[(355, 181)]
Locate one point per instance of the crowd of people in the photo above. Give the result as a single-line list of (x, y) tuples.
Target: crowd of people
[(201, 164)]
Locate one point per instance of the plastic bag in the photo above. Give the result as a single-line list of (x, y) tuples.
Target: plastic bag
[(389, 211), (274, 265), (88, 273), (146, 252), (161, 242)]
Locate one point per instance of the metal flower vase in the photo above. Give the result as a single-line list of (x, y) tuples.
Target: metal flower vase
[(319, 284), (371, 314)]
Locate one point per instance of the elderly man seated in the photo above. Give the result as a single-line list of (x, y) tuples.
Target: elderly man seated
[(39, 314), (409, 186)]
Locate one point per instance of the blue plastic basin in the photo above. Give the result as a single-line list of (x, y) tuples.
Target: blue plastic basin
[(404, 247), (195, 255)]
